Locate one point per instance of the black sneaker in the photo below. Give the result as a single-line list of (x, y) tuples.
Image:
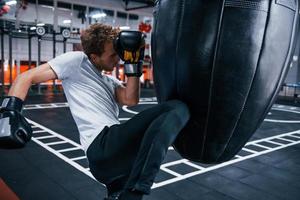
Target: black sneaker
[(113, 196)]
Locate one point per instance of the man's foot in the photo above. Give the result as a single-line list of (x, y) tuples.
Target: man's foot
[(131, 195), (113, 196)]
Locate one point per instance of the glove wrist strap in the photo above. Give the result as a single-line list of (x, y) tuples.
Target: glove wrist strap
[(12, 103), (133, 69)]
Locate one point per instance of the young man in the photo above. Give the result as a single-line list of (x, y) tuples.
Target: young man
[(125, 157)]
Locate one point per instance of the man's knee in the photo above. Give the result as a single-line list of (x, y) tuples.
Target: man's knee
[(179, 107)]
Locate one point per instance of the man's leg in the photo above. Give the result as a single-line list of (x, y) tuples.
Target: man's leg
[(160, 134), (122, 147)]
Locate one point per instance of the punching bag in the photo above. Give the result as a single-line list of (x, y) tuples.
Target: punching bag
[(226, 59)]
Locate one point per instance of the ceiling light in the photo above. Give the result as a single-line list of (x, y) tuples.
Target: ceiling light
[(67, 21), (44, 6), (124, 27), (98, 15), (10, 3)]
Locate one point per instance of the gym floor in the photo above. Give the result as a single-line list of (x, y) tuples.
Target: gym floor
[(53, 165)]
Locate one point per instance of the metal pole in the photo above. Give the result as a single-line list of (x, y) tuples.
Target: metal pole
[(117, 71), (54, 44), (55, 29), (40, 31), (2, 62), (298, 57), (54, 54), (29, 56), (65, 45), (10, 56), (39, 60), (29, 51)]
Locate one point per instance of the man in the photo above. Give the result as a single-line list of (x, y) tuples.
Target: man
[(125, 157)]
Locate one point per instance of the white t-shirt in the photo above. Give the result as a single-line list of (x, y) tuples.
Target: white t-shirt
[(90, 94)]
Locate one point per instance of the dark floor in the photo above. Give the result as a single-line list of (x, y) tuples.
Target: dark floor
[(53, 166)]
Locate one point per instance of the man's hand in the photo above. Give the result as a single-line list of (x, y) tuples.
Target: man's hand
[(130, 46), (15, 131)]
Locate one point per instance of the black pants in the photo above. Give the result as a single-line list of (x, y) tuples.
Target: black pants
[(129, 155)]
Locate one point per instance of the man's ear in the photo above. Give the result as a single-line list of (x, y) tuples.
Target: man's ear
[(93, 57)]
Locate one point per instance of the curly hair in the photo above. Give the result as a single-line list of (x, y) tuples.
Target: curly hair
[(94, 38)]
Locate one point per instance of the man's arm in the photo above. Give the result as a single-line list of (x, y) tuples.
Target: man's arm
[(15, 131), (36, 75), (130, 94), (130, 46)]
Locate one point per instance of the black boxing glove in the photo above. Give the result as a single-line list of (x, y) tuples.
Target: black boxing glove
[(130, 46), (15, 131)]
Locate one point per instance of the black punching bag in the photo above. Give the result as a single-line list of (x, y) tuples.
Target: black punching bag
[(226, 59)]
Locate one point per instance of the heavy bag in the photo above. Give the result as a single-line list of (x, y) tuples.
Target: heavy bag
[(226, 59)]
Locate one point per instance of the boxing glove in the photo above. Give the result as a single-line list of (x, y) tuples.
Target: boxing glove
[(15, 131), (130, 46)]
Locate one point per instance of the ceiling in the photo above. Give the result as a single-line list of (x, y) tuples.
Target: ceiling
[(144, 4)]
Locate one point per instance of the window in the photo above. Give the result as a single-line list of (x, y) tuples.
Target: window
[(79, 7), (64, 5), (133, 17), (122, 15), (45, 2)]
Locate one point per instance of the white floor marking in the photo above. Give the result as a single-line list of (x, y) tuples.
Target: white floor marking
[(214, 167), (193, 165), (164, 167), (295, 136), (64, 158), (53, 133), (45, 106), (39, 131), (78, 158), (124, 119), (152, 100), (285, 110), (69, 149), (126, 109), (262, 146), (268, 139), (287, 140), (176, 162), (280, 144), (65, 104), (249, 150), (283, 121), (70, 161), (279, 108), (170, 172), (45, 137), (55, 143)]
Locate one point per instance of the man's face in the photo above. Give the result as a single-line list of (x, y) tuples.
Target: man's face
[(109, 58)]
